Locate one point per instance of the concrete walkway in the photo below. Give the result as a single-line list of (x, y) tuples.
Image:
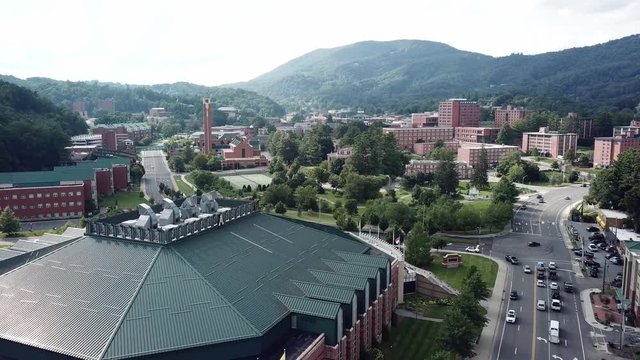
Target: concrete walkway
[(413, 315), (587, 309), (183, 177)]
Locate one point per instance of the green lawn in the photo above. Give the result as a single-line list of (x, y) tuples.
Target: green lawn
[(326, 219), (488, 268), (183, 187), (331, 197), (124, 199), (423, 306), (412, 339), (480, 205)]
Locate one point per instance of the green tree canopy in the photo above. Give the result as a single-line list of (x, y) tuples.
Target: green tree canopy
[(504, 192), (9, 223), (418, 247)]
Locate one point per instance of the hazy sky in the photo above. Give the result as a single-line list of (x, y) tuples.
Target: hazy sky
[(216, 42)]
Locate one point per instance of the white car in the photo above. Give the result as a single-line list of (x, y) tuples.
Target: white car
[(553, 286), (541, 305), (556, 305), (540, 283), (552, 266), (511, 316), (527, 269), (593, 247), (473, 249)]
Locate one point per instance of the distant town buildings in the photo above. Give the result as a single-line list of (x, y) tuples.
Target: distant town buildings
[(340, 153), (580, 125), (458, 112), (80, 107), (427, 119), (243, 153), (607, 150), (431, 166), (476, 134), (407, 137), (509, 115), (122, 137), (107, 105), (423, 148), (159, 112), (230, 111), (470, 153), (549, 143)]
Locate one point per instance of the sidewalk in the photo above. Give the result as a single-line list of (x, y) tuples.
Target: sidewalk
[(494, 306), (414, 315), (587, 309)]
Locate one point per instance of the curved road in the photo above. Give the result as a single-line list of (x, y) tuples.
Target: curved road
[(528, 337)]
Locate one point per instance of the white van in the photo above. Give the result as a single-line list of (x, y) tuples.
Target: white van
[(554, 331)]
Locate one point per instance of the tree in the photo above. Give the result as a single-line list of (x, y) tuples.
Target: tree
[(447, 177), (280, 208), (310, 151), (439, 243), (632, 204), (360, 187), (200, 162), (516, 174), (507, 161), (457, 332), (504, 191), (569, 156), (336, 166), (474, 284), (9, 223), (501, 213), (136, 172), (351, 206), (306, 197), (555, 165), (278, 193), (441, 355), (188, 154), (471, 308), (480, 177), (506, 136), (418, 248), (177, 163)]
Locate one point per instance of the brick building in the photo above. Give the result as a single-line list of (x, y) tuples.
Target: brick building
[(580, 125), (431, 166), (470, 153), (61, 192), (458, 112), (243, 153), (340, 153), (549, 143), (606, 150), (626, 131), (107, 105), (406, 137), (476, 134), (122, 137), (80, 107), (509, 115), (424, 119), (423, 148)]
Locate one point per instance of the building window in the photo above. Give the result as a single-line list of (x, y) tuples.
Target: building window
[(47, 195), (14, 197), (78, 193), (64, 214), (55, 195), (63, 194), (15, 207), (23, 196), (71, 193), (39, 206), (55, 205), (6, 197), (39, 195), (78, 203), (30, 196), (23, 207), (48, 206), (31, 207), (64, 204)]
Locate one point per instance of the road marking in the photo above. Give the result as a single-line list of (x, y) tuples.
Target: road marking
[(518, 327), (504, 325), (516, 351), (565, 342), (533, 331), (520, 308), (556, 357), (541, 339)]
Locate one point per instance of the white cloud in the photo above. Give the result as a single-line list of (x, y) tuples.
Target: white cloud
[(219, 42)]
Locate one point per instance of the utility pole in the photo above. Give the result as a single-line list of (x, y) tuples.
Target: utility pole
[(604, 275)]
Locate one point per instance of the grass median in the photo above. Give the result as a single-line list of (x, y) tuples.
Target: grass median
[(455, 276)]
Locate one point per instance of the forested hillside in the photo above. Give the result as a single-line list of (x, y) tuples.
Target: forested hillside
[(33, 131), (136, 98), (412, 75)]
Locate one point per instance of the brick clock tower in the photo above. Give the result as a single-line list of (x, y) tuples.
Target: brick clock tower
[(206, 124)]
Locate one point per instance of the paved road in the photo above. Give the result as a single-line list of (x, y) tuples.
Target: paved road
[(528, 338), (156, 172)]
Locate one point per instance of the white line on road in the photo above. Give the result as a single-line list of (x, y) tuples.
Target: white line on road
[(516, 351), (518, 327)]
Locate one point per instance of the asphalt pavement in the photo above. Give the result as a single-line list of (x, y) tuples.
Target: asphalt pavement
[(156, 172), (528, 338)]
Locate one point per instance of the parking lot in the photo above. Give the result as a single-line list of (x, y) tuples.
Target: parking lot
[(606, 268)]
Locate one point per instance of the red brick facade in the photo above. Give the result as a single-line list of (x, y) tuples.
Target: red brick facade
[(424, 148), (241, 153), (406, 137), (476, 134), (458, 112), (45, 202), (510, 115), (424, 120)]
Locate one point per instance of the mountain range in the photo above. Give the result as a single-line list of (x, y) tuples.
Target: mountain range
[(413, 73)]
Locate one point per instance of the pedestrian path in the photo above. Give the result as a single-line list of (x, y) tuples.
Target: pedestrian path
[(413, 315)]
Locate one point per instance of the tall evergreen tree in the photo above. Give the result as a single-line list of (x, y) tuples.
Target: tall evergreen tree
[(9, 223), (447, 177), (480, 177)]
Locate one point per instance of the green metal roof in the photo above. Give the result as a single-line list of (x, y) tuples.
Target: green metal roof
[(353, 269), (324, 292), (175, 296), (81, 171), (631, 245), (378, 261), (127, 126), (348, 281), (312, 307), (101, 298)]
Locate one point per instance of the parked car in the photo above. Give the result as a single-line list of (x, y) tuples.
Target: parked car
[(592, 247), (511, 316), (541, 305), (539, 196), (596, 236), (619, 276), (552, 265), (602, 246), (593, 229), (527, 269), (556, 305), (609, 255), (513, 295), (553, 286), (617, 260), (612, 249), (534, 243), (593, 273), (592, 263), (567, 198), (553, 275), (473, 249), (540, 275), (540, 283)]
